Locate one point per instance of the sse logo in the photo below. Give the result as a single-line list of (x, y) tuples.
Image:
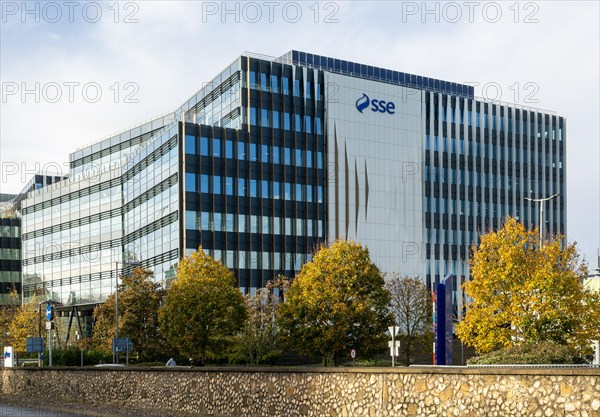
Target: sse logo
[(380, 106)]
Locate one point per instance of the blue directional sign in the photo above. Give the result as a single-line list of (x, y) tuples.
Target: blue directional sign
[(49, 312)]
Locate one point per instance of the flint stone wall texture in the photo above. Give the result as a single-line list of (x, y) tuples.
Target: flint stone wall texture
[(287, 392)]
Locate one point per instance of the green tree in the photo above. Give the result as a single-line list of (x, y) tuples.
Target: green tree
[(139, 302), (258, 341), (411, 307), (336, 303), (203, 309), (524, 293)]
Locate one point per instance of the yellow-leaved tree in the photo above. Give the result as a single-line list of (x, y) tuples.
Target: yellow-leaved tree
[(523, 293), (203, 309), (23, 324), (337, 303)]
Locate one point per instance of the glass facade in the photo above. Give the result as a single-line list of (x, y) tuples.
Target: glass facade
[(482, 160), (240, 169), (10, 259)]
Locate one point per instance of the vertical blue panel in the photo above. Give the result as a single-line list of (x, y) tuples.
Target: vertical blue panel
[(440, 333), (448, 280)]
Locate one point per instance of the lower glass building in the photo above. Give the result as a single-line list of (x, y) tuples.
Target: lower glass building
[(10, 252), (278, 155)]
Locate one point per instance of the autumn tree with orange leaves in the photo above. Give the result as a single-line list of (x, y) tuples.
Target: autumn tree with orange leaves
[(522, 293)]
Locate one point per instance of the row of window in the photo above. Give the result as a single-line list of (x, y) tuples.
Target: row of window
[(10, 276), (285, 121), (281, 85), (243, 187), (486, 179), (242, 223), (501, 153), (96, 200), (253, 152), (10, 254), (258, 260), (492, 210), (493, 121), (9, 231)]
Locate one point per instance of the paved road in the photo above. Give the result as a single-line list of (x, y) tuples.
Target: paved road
[(8, 410)]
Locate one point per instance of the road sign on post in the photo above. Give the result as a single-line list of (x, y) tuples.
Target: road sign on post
[(49, 312), (34, 344), (122, 344), (394, 346)]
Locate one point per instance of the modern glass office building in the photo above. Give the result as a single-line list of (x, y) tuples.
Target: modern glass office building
[(278, 155)]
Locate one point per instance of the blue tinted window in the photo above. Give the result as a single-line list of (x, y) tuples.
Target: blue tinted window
[(275, 119), (319, 93), (253, 188), (318, 127), (299, 194), (252, 79), (264, 117), (307, 124), (288, 191), (216, 184), (298, 157), (265, 189), (228, 149), (204, 183), (320, 160), (263, 82), (190, 182), (320, 194), (296, 88), (287, 156), (308, 89), (285, 84), (253, 116), (274, 84), (286, 121), (241, 187), (276, 190), (276, 157), (241, 151), (309, 159), (190, 220), (253, 152), (229, 185), (190, 144), (264, 153), (309, 191), (204, 146), (217, 148), (298, 123)]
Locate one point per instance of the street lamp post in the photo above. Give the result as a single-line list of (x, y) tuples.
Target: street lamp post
[(126, 263), (542, 201)]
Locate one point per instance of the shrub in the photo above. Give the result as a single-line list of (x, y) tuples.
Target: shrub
[(72, 357), (542, 353)]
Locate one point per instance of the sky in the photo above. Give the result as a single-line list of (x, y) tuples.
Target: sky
[(72, 73)]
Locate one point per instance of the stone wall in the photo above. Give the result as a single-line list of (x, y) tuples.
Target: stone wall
[(344, 392)]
